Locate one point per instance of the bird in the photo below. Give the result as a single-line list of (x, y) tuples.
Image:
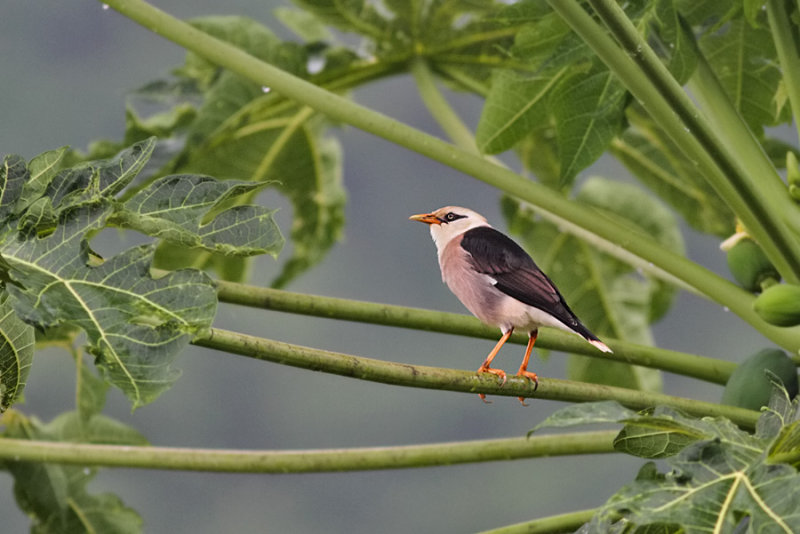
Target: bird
[(499, 283)]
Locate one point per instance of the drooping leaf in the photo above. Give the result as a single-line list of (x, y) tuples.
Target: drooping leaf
[(95, 180), (518, 102), (244, 132), (56, 496), (16, 354), (610, 297), (720, 475), (587, 413), (744, 59), (135, 324), (42, 168), (307, 168), (176, 208), (588, 112), (13, 176)]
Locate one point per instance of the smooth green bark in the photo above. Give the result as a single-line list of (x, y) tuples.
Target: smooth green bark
[(309, 461)]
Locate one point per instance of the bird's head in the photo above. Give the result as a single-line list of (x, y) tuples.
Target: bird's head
[(449, 222)]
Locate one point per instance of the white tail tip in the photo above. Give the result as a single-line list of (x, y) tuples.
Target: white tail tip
[(600, 345)]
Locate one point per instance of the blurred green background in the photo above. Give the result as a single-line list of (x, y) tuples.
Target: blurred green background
[(66, 68)]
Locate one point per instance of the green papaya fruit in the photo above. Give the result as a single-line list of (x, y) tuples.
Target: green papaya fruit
[(749, 387), (779, 305), (749, 265)]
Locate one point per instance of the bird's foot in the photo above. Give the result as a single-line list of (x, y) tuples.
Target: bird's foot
[(530, 376), (494, 371)]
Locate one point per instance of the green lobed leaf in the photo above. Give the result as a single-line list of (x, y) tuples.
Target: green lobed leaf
[(588, 110), (711, 484), (135, 324), (42, 169), (659, 433), (289, 149), (95, 180), (609, 296), (16, 354), (586, 413), (744, 59), (520, 100), (13, 176), (56, 496), (657, 436), (242, 133), (176, 208)]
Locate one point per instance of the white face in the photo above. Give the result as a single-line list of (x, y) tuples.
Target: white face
[(453, 221)]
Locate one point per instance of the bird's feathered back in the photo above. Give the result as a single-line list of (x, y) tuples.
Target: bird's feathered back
[(517, 275)]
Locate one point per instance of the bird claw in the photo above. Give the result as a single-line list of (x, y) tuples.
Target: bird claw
[(497, 372), (533, 378)]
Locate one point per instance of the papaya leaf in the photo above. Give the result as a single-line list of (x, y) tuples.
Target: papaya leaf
[(515, 107), (95, 180), (715, 481), (56, 496), (135, 323), (520, 100), (587, 413), (16, 354), (175, 208), (744, 59), (42, 168), (292, 151), (242, 132), (609, 296), (588, 110)]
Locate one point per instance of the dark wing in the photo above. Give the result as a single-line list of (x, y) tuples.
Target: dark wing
[(516, 274)]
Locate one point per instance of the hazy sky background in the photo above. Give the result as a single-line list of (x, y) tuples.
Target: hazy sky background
[(66, 68)]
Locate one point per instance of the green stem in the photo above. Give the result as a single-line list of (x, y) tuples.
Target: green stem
[(440, 109), (787, 48), (310, 461), (544, 199), (422, 376), (726, 121), (646, 77), (568, 522), (701, 367)]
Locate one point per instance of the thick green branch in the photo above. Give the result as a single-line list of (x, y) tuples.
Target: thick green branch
[(646, 77), (703, 368), (546, 200), (422, 376), (310, 461)]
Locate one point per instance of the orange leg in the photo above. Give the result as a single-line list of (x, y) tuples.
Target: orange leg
[(523, 369), (485, 366)]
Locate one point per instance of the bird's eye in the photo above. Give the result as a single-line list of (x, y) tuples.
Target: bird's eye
[(450, 217)]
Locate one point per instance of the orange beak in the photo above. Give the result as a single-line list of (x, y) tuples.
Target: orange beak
[(427, 218)]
